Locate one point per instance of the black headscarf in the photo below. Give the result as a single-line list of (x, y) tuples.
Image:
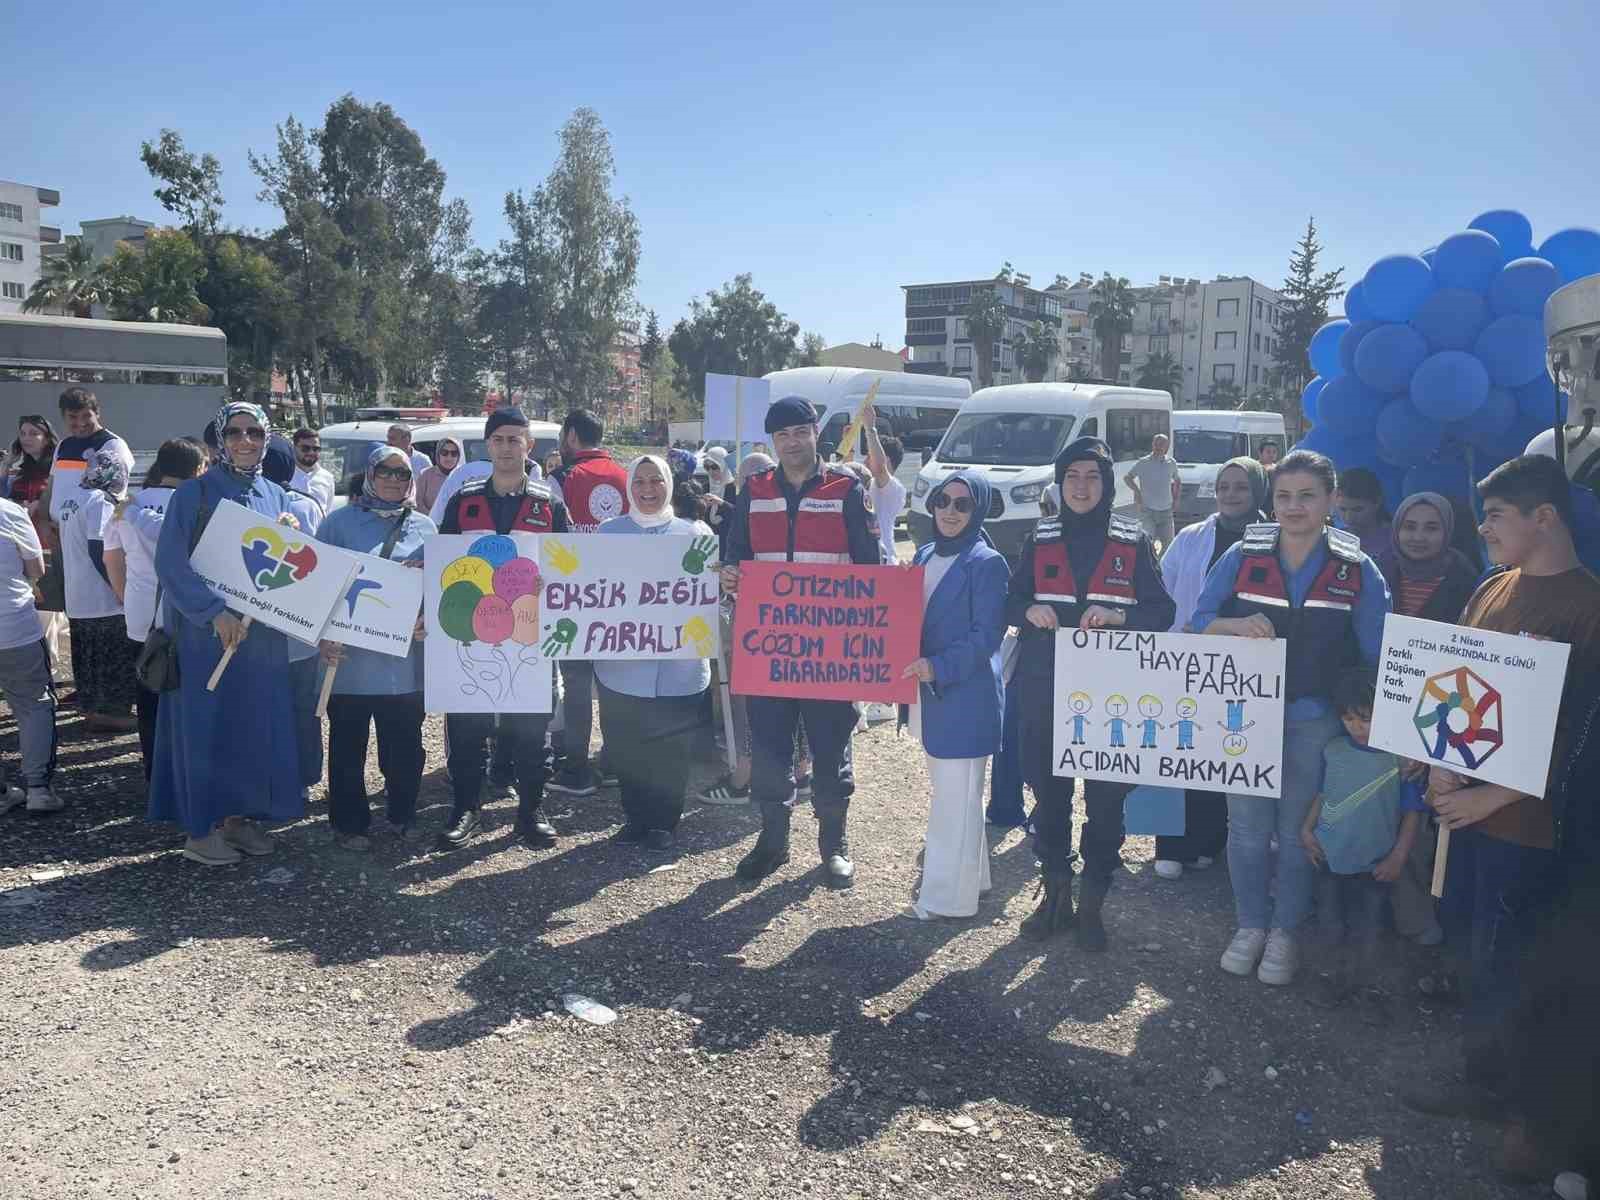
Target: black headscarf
[(1087, 449)]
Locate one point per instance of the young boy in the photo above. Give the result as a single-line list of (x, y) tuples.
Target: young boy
[(1358, 832), (1501, 874)]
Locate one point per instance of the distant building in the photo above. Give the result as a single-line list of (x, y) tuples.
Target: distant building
[(102, 237), (23, 239), (936, 328), (858, 354)]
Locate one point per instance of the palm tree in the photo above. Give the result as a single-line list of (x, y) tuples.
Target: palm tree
[(1163, 373), (70, 281), (986, 322), (1036, 348), (1111, 312), (1225, 393)]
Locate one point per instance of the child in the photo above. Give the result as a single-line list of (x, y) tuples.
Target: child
[(1358, 832)]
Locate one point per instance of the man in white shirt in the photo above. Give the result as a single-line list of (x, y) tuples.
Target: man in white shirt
[(884, 456), (400, 439), (1156, 486), (310, 476), (24, 665)]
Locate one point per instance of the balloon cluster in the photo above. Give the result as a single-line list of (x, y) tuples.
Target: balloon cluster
[(1436, 373), (491, 595)]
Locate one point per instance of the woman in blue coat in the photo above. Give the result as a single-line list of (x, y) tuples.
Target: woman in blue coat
[(224, 759), (960, 700)]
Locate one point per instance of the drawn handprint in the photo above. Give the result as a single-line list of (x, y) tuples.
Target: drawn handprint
[(698, 632), (560, 556), (701, 549), (561, 638)]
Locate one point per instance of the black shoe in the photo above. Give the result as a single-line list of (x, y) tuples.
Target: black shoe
[(502, 791), (660, 841), (1458, 1098), (535, 832), (771, 850), (1091, 899), (460, 829), (603, 771), (834, 849), (1054, 912), (571, 782), (630, 834)]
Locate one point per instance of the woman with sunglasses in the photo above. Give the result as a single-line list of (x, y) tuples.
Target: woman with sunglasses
[(227, 759), (448, 455), (959, 700)]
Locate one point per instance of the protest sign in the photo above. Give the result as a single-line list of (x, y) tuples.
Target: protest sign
[(628, 596), (480, 602), (827, 632), (271, 572), (1479, 703), (736, 409), (379, 608), (1172, 709)]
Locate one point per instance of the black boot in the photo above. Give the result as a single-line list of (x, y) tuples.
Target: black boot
[(1091, 900), (1054, 913), (533, 830), (834, 849), (772, 847)]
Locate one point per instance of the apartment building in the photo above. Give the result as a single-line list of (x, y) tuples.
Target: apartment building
[(22, 239), (936, 328)]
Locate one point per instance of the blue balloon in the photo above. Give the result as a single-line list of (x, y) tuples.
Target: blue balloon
[(1308, 398), (1575, 252), (1512, 349), (1351, 342), (1393, 479), (1487, 428), (1324, 349), (1450, 386), (1536, 399), (1348, 407), (1448, 477), (1451, 319), (1405, 436), (1388, 356), (1355, 304), (1428, 255), (1510, 228), (1395, 286), (1522, 287), (1467, 260)]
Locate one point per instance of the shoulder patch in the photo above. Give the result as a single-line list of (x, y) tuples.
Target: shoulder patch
[(480, 484), (1343, 544), (1124, 529), (1048, 527), (538, 490), (1260, 538)]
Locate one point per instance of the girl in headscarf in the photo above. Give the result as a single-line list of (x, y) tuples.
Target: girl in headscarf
[(449, 454), (961, 695), (228, 759), (650, 709), (1428, 577), (371, 689), (102, 655)]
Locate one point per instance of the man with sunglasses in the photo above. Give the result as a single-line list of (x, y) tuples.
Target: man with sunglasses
[(800, 511), (310, 476)]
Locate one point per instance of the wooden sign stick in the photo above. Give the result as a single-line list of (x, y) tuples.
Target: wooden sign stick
[(227, 655), (1440, 857), (327, 690)]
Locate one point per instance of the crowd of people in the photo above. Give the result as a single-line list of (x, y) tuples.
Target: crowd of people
[(1319, 873)]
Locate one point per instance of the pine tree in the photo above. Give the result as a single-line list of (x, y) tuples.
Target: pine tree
[(1308, 294)]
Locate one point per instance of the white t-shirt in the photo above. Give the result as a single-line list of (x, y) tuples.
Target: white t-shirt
[(316, 483), (19, 624), (85, 518), (139, 549), (888, 502)]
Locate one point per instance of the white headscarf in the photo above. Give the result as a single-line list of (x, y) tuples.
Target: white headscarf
[(650, 520)]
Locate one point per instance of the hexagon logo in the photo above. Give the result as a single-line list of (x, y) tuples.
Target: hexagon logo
[(1459, 718)]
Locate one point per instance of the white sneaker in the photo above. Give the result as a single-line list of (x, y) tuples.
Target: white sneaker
[(11, 797), (211, 850), (43, 799), (1244, 951), (1168, 869), (248, 837), (877, 714), (1280, 960), (1201, 863)]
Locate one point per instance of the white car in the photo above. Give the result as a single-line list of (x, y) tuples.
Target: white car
[(345, 446)]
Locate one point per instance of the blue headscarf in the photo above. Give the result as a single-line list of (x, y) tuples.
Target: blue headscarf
[(219, 424), (979, 487), (369, 498)]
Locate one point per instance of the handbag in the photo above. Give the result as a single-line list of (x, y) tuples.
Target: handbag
[(156, 668)]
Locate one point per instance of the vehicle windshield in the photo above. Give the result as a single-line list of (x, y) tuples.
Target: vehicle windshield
[(993, 439), (1203, 445)]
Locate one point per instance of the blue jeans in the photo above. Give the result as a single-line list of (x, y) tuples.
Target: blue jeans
[(1252, 820)]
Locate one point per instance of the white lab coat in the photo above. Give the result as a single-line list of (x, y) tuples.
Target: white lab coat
[(1185, 565)]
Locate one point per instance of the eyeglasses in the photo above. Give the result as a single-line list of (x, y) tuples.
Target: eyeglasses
[(255, 433), (962, 504), (449, 452), (401, 474)]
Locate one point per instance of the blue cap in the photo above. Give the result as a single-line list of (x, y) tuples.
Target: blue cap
[(790, 410)]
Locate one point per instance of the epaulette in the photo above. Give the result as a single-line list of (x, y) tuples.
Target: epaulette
[(1048, 529), (1124, 529), (1344, 544), (1260, 539)]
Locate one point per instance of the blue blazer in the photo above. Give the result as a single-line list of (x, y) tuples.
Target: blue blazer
[(962, 626)]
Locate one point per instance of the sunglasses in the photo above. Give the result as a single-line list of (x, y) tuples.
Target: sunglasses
[(962, 504), (400, 474), (449, 452), (255, 433)]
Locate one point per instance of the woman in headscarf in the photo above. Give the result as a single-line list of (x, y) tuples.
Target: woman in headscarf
[(449, 455), (102, 655), (227, 759), (1427, 576), (372, 689), (1241, 497), (649, 709), (960, 693)]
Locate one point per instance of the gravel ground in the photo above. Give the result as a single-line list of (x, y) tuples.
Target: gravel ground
[(321, 1023)]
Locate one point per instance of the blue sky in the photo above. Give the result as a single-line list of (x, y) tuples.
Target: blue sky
[(836, 151)]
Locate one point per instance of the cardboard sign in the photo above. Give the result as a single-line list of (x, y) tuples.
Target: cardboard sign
[(629, 596), (281, 577), (827, 632), (1479, 703), (480, 601), (1177, 710), (379, 609), (736, 408)]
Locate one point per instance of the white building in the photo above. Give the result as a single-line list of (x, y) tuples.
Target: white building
[(22, 239), (936, 327)]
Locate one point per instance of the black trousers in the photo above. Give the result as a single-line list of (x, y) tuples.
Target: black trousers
[(398, 720), (828, 726), (102, 664), (522, 737), (1100, 844), (647, 745), (146, 703), (577, 707), (1205, 825)]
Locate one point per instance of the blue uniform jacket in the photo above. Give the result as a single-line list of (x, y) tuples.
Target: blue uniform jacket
[(962, 626)]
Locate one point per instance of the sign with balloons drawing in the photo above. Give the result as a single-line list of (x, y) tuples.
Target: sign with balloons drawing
[(480, 599)]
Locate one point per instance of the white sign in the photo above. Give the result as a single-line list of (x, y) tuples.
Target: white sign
[(629, 596), (1479, 703), (274, 573), (481, 605), (379, 609), (736, 408), (1170, 709)]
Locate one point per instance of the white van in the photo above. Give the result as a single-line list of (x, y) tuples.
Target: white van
[(1012, 435), (345, 446), (1204, 439)]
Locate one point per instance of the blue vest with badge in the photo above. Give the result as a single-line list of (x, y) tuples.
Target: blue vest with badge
[(1321, 631)]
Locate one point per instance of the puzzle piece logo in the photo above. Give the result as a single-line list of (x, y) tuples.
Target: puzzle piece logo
[(1459, 718), (273, 562)]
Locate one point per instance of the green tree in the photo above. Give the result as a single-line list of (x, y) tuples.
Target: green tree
[(248, 300), (1111, 314), (810, 352), (650, 348), (1163, 373), (1036, 348), (736, 331), (1225, 393), (1307, 293), (159, 282), (191, 184), (985, 316), (70, 281)]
